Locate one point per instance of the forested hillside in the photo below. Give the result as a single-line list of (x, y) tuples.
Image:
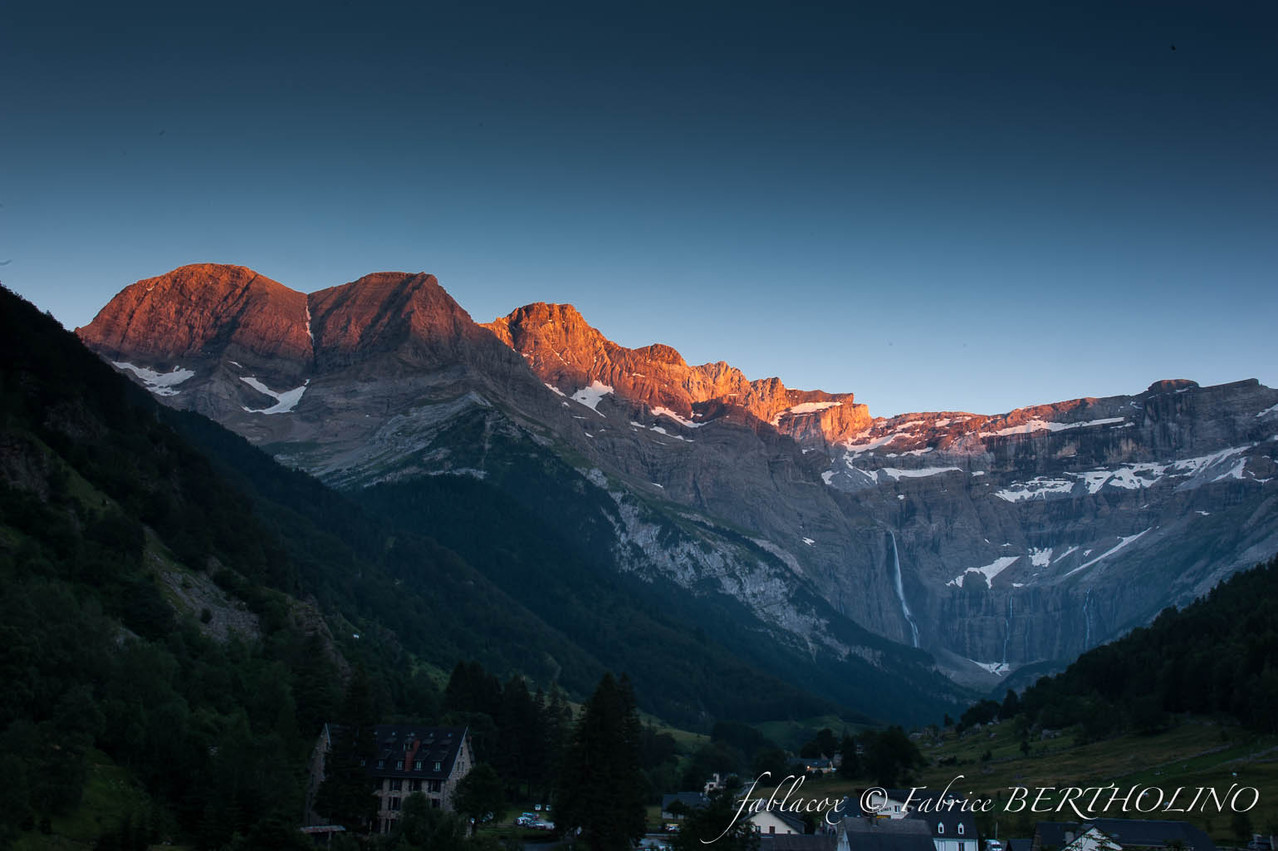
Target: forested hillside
[(1216, 656)]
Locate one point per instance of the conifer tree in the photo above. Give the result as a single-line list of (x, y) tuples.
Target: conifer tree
[(601, 785), (346, 796)]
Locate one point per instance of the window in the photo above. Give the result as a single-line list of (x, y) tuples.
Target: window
[(399, 765), (960, 828), (396, 785), (432, 785), (414, 785), (417, 765), (394, 803), (437, 766), (940, 828)]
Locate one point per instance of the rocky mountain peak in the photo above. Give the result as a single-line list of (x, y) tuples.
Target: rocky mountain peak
[(204, 310), (569, 354), (1171, 385), (386, 311)]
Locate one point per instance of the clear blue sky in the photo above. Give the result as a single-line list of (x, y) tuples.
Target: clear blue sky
[(933, 205)]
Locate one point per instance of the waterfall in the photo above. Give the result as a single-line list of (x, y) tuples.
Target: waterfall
[(1007, 627), (1087, 619), (900, 591)]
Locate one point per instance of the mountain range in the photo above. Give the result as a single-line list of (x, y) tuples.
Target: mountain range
[(855, 556)]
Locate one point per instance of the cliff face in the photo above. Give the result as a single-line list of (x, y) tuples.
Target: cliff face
[(567, 353), (1042, 532), (991, 541), (202, 311)]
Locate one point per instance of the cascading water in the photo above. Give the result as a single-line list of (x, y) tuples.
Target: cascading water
[(1087, 619), (1007, 628), (900, 591)]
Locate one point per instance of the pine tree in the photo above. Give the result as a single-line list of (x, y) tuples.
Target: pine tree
[(346, 796), (600, 789)]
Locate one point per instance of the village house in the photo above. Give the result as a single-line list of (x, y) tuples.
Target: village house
[(687, 802), (951, 830), (1119, 835), (776, 823), (407, 759), (883, 834), (792, 842)]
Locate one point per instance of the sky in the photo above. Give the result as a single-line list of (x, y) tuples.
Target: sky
[(933, 205)]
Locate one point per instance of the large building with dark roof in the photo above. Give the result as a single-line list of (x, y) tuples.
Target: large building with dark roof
[(407, 759), (415, 758)]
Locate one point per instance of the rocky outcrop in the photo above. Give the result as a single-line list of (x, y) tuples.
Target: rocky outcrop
[(392, 312), (202, 311), (567, 353)]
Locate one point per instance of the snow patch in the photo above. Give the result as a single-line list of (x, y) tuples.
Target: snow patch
[(989, 571), (896, 474), (591, 394), (997, 668), (285, 402), (809, 541), (159, 383), (1122, 542), (858, 448), (813, 407), (805, 408), (1039, 424), (1269, 412), (1040, 557), (659, 430), (553, 389), (666, 412), (1200, 470), (1036, 488)]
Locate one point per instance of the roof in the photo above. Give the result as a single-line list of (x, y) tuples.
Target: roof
[(1153, 833), (414, 750), (950, 818), (1019, 844), (869, 834), (1056, 834), (691, 800), (883, 826), (794, 822), (792, 842)]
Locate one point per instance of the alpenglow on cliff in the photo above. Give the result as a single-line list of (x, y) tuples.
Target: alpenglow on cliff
[(991, 542)]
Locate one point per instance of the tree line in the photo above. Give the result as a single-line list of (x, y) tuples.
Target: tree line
[(1218, 656)]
